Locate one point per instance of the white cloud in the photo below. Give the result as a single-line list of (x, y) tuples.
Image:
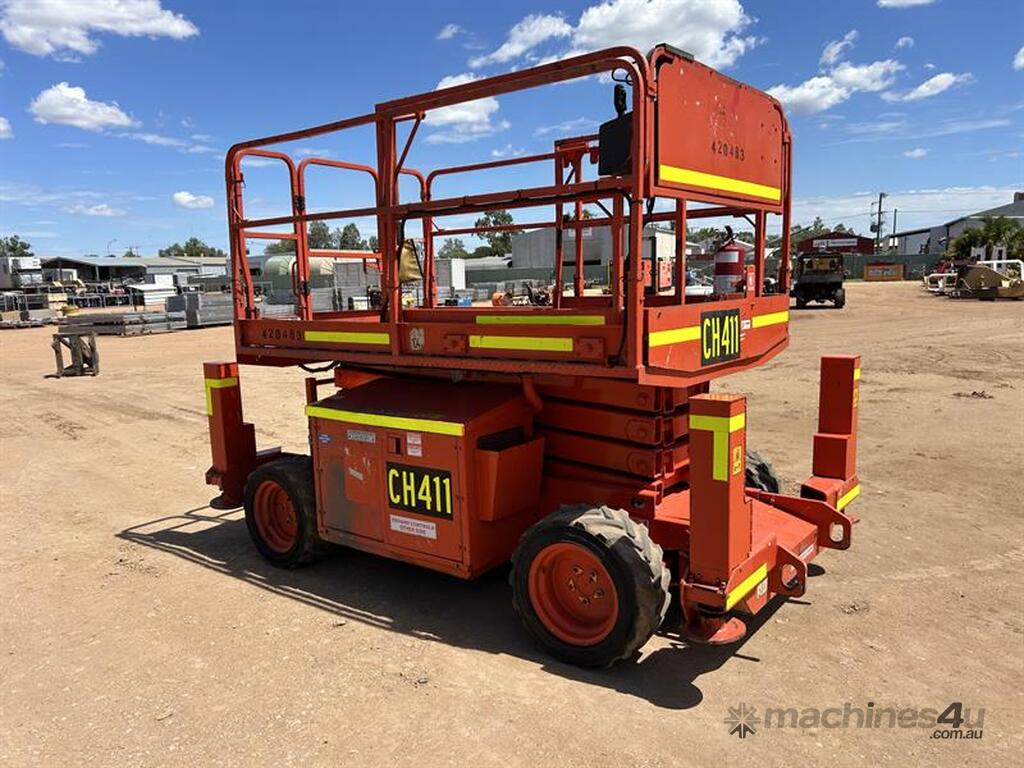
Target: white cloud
[(448, 31), (65, 27), (903, 3), (464, 122), (524, 36), (101, 209), (65, 104), (159, 140), (905, 130), (580, 124), (186, 199), (814, 95), (156, 139), (709, 29), (507, 151), (5, 129), (916, 153), (823, 92), (873, 77), (933, 86), (917, 207), (1018, 60), (836, 49), (905, 42)]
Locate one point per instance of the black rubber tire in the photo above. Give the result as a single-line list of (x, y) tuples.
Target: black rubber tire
[(840, 299), (761, 474), (801, 303), (631, 558), (295, 475)]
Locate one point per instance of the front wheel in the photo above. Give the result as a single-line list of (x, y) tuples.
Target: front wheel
[(280, 512), (589, 585)]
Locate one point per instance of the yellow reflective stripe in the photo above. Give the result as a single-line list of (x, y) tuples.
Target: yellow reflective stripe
[(349, 337), (212, 384), (392, 422), (849, 496), (773, 318), (745, 586), (856, 374), (721, 427), (723, 183), (673, 336), (692, 332), (719, 423), (540, 320), (542, 343)]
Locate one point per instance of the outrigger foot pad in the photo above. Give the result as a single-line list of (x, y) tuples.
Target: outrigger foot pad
[(715, 630)]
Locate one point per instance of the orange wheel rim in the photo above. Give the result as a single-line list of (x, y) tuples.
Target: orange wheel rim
[(275, 516), (573, 594)]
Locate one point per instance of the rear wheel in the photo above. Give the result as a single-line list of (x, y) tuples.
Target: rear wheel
[(840, 298), (589, 585), (761, 474), (801, 302), (280, 512)]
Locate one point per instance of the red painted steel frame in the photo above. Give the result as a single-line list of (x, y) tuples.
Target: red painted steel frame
[(614, 387), (447, 337)]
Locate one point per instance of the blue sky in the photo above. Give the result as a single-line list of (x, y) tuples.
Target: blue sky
[(115, 114)]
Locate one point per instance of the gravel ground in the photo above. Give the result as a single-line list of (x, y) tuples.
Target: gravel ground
[(138, 626)]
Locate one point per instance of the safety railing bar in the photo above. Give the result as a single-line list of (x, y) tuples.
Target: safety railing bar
[(305, 133), (348, 213), (610, 59), (489, 165), (269, 235), (595, 222)]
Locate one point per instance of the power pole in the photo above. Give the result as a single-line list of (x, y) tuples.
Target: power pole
[(894, 212), (878, 224)]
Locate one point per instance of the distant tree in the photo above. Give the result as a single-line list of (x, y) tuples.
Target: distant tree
[(192, 249), (992, 232), (373, 244), (318, 235), (703, 234), (584, 215), (499, 242), (799, 233), (15, 246), (128, 254), (482, 252), (453, 248), (349, 239), (281, 246)]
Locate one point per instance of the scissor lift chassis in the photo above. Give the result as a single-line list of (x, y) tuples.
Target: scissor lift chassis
[(452, 431)]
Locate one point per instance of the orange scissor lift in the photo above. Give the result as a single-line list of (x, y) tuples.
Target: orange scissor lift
[(578, 440)]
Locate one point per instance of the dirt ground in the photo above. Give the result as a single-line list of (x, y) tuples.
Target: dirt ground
[(139, 627)]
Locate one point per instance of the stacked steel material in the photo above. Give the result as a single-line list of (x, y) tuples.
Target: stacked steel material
[(203, 309), (127, 323)]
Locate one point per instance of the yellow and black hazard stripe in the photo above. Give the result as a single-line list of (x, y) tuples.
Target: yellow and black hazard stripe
[(692, 332)]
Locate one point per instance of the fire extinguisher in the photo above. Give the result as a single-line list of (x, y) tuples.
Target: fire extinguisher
[(729, 259)]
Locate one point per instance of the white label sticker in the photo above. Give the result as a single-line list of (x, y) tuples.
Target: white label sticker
[(762, 587), (808, 551), (362, 436), (357, 474), (420, 528), (414, 443)]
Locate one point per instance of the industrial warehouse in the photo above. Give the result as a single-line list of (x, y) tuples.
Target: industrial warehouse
[(597, 400)]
